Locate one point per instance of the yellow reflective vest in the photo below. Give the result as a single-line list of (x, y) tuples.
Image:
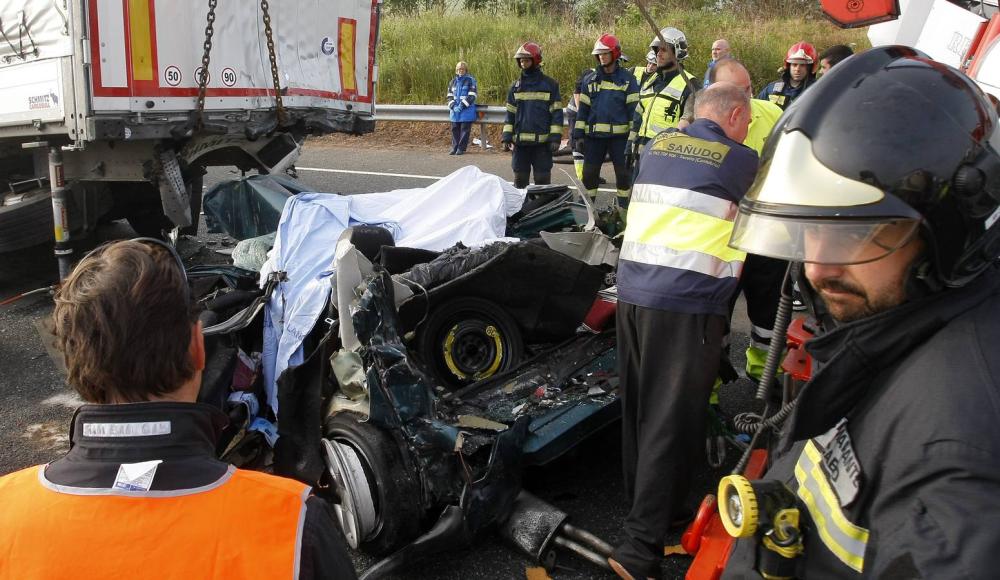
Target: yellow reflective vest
[(660, 109), (764, 116)]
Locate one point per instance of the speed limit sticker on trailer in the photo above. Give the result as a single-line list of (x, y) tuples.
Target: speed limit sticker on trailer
[(172, 75), (228, 77)]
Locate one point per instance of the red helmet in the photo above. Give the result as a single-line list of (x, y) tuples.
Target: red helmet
[(608, 43), (530, 50), (801, 53)]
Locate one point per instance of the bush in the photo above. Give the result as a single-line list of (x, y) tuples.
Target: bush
[(419, 50)]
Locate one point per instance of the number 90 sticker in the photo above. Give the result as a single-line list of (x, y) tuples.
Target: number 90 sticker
[(228, 77), (172, 75)]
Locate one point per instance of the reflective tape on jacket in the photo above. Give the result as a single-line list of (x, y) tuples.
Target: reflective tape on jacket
[(846, 540), (681, 230), (692, 261), (610, 86), (532, 96), (666, 195), (54, 531), (608, 128)]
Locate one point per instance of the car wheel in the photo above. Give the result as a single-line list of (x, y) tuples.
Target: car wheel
[(469, 339), (381, 508)]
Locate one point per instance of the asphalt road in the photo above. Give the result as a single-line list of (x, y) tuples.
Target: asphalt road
[(35, 404)]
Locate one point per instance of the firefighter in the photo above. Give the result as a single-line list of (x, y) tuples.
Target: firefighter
[(534, 124), (885, 183), (662, 99), (799, 74), (140, 492), (645, 73), (676, 278), (607, 103)]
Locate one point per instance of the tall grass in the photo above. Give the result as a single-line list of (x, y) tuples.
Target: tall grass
[(419, 52)]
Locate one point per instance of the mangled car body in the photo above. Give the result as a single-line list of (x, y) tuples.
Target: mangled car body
[(409, 377)]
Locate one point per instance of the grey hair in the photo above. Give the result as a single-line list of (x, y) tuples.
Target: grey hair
[(462, 64), (718, 101)]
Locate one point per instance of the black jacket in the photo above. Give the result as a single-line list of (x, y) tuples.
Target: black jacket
[(911, 481), (188, 455)]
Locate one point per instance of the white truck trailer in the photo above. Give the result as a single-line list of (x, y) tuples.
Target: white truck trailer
[(113, 108)]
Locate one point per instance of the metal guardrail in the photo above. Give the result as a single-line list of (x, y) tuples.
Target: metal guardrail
[(435, 113)]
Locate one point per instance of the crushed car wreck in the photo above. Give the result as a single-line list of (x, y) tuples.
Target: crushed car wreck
[(429, 376)]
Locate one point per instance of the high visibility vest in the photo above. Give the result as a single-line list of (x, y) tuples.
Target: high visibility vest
[(675, 252), (661, 110), (764, 116), (247, 525)]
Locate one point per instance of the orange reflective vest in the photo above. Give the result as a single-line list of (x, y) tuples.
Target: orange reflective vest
[(246, 525)]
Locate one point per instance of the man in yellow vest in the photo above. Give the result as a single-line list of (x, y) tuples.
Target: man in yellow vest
[(661, 97), (762, 276), (676, 278), (140, 492)]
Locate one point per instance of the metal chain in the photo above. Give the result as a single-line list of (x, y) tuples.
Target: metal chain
[(205, 60), (280, 106)]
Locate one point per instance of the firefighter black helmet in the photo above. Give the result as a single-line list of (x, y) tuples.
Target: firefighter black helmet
[(889, 144)]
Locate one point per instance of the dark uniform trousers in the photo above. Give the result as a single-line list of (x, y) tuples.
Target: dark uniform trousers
[(460, 132), (527, 157), (760, 284), (667, 364), (594, 153)]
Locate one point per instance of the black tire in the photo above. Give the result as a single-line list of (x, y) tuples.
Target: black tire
[(394, 485), (469, 339)]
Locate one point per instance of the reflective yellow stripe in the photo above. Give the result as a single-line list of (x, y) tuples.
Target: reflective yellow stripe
[(555, 129), (609, 128), (556, 105), (508, 128), (610, 86), (580, 125), (584, 98), (669, 258), (631, 98), (140, 40), (527, 137), (531, 96), (623, 192), (511, 108), (347, 32), (681, 230), (846, 540)]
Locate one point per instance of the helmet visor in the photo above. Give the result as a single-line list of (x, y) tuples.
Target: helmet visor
[(821, 241)]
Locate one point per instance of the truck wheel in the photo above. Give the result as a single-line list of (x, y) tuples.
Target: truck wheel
[(381, 507), (469, 339)]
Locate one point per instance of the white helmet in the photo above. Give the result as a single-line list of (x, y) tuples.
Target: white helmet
[(675, 38)]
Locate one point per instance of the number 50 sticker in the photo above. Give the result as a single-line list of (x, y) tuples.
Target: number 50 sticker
[(172, 75), (228, 77)]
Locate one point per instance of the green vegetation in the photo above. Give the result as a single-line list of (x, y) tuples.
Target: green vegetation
[(419, 50)]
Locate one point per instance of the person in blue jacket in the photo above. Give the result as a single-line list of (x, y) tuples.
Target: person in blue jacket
[(607, 103), (462, 106), (534, 123)]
